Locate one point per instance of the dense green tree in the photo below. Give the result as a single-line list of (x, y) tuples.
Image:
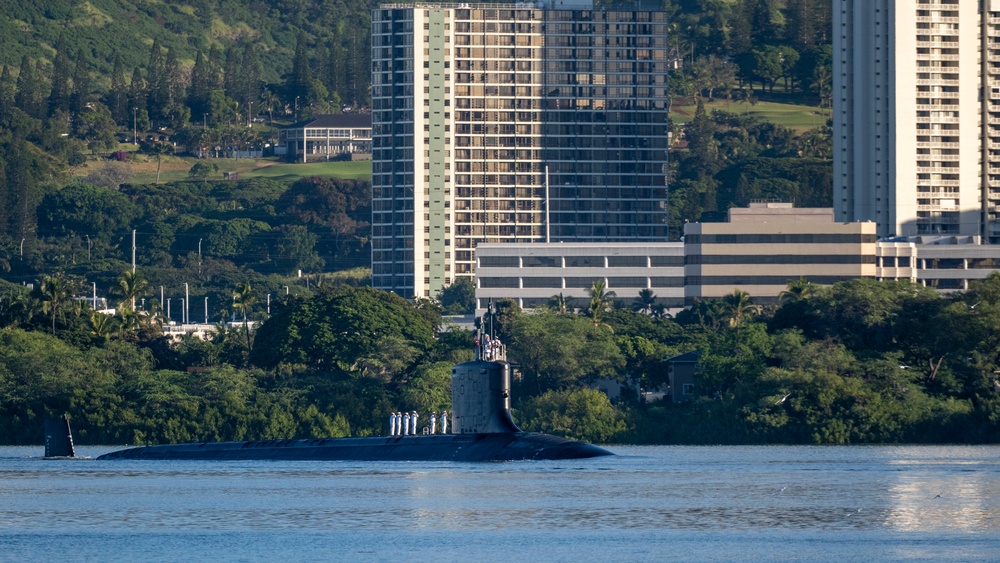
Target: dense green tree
[(59, 95), (295, 250), (96, 126), (7, 90), (83, 209), (428, 388), (338, 327), (137, 99), (29, 97), (117, 96), (157, 96), (300, 81), (79, 98), (582, 414), (560, 351), (459, 298)]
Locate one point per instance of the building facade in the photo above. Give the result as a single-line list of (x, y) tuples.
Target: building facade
[(916, 97), (765, 246), (517, 123), (533, 273), (759, 250)]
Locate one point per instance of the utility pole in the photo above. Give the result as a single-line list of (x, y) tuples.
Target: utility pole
[(95, 296), (199, 256), (187, 303), (206, 309), (269, 304), (133, 251), (135, 134)]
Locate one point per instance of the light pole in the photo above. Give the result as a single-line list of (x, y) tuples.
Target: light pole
[(187, 303), (134, 130), (199, 256), (206, 309)]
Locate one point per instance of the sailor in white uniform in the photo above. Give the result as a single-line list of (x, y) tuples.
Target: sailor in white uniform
[(433, 421), (444, 422), (406, 424), (413, 422)]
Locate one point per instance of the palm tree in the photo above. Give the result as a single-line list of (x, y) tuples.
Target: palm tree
[(708, 313), (132, 285), (55, 294), (160, 149), (559, 304), (17, 308), (129, 323), (798, 290), (645, 301), (270, 100), (243, 301), (101, 325), (739, 306), (600, 301)]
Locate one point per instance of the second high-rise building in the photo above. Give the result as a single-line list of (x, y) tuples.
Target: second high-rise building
[(512, 123), (917, 116)]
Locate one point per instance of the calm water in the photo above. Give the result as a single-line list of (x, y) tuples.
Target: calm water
[(646, 504)]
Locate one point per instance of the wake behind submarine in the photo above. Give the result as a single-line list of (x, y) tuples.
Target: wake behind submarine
[(482, 427)]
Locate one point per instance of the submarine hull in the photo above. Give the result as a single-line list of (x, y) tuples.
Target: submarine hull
[(513, 446)]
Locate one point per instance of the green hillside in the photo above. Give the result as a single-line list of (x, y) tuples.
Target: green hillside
[(106, 28)]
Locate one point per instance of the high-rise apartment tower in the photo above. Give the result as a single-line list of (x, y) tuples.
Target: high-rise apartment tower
[(916, 99), (473, 103)]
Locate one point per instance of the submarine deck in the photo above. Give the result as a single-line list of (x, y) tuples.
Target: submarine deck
[(515, 446)]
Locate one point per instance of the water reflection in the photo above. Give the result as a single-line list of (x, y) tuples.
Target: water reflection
[(952, 490), (821, 503)]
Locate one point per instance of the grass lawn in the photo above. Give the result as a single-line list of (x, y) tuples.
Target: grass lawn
[(799, 118), (175, 168), (357, 170)]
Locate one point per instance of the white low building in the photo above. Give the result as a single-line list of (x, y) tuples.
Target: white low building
[(533, 273)]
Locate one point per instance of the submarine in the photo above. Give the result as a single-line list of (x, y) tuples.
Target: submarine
[(481, 424)]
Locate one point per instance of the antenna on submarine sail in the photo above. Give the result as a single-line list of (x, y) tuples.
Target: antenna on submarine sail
[(58, 438)]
